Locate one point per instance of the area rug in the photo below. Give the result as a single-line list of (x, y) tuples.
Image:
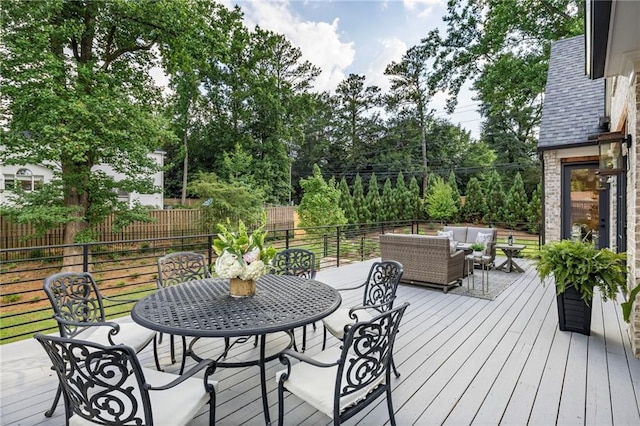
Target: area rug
[(498, 282)]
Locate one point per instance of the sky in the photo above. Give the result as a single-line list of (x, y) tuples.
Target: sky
[(358, 36)]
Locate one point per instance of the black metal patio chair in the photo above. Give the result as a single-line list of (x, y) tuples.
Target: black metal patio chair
[(379, 294), (298, 262), (176, 268), (340, 382), (79, 310), (106, 385)]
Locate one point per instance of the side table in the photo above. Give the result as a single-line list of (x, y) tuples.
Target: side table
[(485, 264), (510, 250)]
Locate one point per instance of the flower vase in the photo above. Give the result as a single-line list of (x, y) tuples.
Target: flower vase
[(242, 288)]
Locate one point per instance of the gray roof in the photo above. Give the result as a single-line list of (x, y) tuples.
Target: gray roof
[(573, 103)]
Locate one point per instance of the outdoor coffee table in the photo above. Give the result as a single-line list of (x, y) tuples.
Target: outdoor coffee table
[(510, 251), (204, 308)]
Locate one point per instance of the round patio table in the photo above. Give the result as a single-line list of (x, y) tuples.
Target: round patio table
[(204, 308)]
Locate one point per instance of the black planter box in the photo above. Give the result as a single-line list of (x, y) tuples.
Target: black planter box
[(573, 313)]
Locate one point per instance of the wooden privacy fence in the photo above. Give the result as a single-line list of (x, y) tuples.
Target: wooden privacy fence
[(166, 223)]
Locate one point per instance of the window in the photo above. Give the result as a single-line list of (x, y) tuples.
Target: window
[(23, 179), (24, 172)]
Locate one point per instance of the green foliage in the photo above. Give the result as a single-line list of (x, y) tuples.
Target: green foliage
[(77, 92), (238, 167), (475, 206), (389, 208), (320, 203), (628, 305), (439, 202), (516, 204), (534, 212), (415, 203), (494, 196), (455, 195), (226, 201), (581, 265), (374, 204), (359, 201), (477, 246), (11, 298), (239, 242), (346, 202), (402, 199), (431, 181)]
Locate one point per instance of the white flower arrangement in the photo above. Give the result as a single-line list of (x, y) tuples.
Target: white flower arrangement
[(241, 255)]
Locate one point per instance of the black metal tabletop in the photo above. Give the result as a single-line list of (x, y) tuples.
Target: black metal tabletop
[(204, 308)]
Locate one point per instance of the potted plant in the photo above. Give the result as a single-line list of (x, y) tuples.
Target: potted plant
[(478, 249), (242, 257), (578, 268)]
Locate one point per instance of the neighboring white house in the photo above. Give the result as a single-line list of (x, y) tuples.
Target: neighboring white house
[(31, 177)]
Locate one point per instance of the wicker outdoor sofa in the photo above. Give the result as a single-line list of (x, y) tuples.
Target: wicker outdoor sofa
[(427, 260)]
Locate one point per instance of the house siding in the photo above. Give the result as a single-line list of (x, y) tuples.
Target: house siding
[(633, 206)]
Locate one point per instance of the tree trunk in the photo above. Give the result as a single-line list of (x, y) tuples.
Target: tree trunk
[(72, 260), (185, 168), (423, 142), (78, 199)]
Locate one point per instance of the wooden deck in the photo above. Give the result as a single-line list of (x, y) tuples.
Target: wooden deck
[(463, 361)]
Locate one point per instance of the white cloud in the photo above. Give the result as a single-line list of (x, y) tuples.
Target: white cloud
[(422, 7), (390, 50), (319, 41)]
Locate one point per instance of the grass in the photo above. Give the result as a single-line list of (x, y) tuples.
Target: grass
[(42, 321)]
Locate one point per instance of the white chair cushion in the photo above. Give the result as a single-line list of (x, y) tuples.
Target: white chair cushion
[(174, 406), (335, 322), (316, 385), (130, 334)]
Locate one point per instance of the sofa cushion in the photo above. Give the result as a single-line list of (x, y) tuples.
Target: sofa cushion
[(459, 233), (472, 233)]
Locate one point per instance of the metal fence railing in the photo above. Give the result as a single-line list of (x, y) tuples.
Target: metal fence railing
[(129, 268)]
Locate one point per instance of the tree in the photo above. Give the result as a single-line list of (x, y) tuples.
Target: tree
[(409, 90), (355, 119), (374, 204), (360, 202), (516, 204), (501, 48), (402, 199), (494, 195), (77, 92), (475, 206), (480, 34), (439, 203), (389, 208), (227, 201), (320, 204), (346, 202), (415, 204), (534, 212), (455, 194)]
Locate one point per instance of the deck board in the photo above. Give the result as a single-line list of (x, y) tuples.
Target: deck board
[(462, 361)]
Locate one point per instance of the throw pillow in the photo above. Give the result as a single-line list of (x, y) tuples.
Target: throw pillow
[(453, 246), (448, 234), (484, 238)]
